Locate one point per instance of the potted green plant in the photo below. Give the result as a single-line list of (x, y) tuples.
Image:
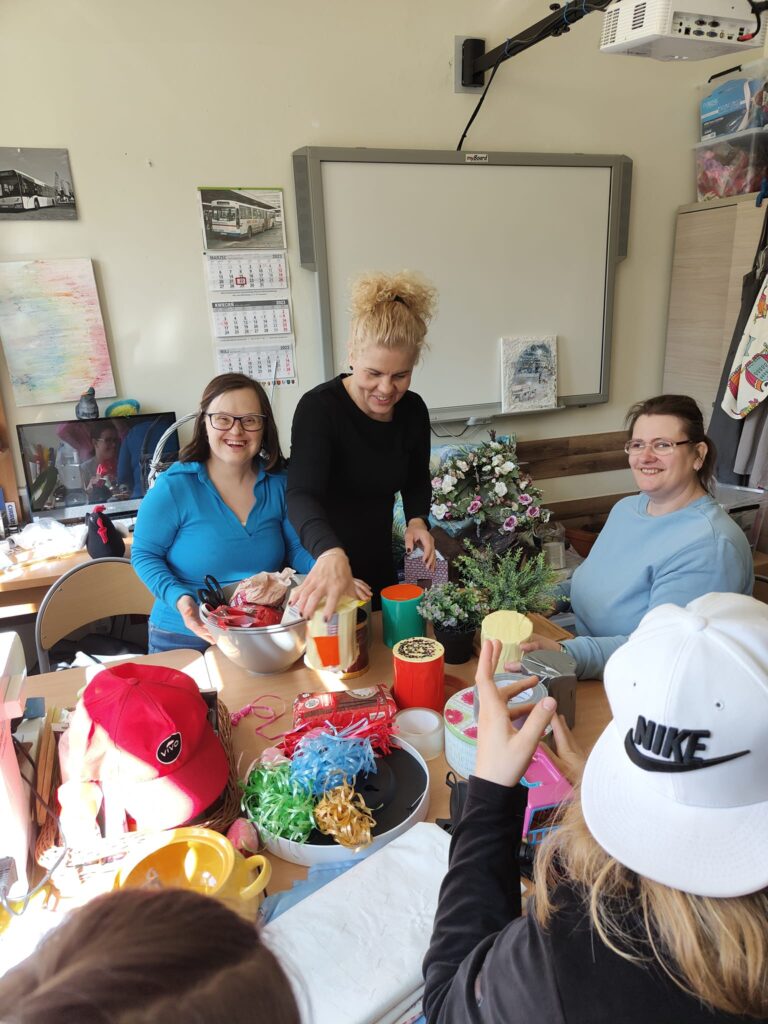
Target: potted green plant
[(510, 580), (455, 613)]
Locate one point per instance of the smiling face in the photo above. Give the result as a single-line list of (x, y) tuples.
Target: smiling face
[(379, 379), (235, 446), (105, 446), (666, 478)]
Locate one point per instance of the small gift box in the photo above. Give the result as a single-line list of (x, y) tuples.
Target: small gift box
[(417, 572)]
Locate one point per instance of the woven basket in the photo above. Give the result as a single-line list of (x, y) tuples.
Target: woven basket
[(95, 868)]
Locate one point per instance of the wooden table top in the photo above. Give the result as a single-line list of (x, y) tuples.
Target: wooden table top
[(24, 585), (238, 688)]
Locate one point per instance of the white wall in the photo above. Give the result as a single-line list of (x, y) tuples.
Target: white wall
[(155, 97)]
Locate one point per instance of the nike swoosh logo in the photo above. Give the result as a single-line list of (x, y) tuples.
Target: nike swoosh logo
[(652, 764)]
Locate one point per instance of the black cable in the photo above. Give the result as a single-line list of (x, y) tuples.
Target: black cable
[(461, 433), (476, 111), (757, 8)]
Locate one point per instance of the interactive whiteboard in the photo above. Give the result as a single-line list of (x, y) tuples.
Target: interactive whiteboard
[(516, 244)]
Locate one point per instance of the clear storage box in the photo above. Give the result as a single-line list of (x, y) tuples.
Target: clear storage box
[(731, 165), (745, 505), (734, 102)]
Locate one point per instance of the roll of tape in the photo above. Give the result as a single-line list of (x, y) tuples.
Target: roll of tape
[(423, 729)]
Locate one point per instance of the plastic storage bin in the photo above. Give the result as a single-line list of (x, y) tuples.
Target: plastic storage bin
[(745, 505), (731, 165), (734, 102)]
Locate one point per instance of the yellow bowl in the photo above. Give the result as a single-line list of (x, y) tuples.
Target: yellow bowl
[(202, 860)]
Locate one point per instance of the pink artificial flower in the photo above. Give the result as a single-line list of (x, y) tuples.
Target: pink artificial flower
[(525, 499), (534, 511), (509, 523), (474, 506)]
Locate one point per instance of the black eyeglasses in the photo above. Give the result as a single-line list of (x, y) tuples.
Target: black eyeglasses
[(225, 421), (659, 446)]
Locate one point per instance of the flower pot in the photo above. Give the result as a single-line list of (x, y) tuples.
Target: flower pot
[(457, 643)]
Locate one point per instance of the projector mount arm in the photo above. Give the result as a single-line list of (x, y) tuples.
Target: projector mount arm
[(475, 61)]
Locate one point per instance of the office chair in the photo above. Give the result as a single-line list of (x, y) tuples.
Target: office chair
[(94, 590)]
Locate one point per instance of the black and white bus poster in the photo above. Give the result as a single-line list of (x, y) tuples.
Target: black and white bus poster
[(36, 184), (242, 218)]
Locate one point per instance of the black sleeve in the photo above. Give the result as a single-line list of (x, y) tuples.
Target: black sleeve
[(486, 964), (417, 491), (309, 475)]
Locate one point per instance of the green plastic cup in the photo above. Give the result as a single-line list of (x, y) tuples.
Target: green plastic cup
[(400, 612)]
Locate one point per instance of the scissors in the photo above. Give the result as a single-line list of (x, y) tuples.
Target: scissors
[(211, 593)]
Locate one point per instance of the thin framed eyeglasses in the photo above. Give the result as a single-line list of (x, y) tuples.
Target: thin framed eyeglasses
[(225, 421), (659, 446)]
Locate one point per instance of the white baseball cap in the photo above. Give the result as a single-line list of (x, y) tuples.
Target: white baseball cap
[(676, 788)]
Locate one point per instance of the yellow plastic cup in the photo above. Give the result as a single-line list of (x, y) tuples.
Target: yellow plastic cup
[(202, 860)]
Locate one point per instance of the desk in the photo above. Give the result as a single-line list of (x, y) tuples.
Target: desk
[(238, 688), (23, 586)]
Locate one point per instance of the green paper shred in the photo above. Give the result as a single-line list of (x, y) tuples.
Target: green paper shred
[(278, 804)]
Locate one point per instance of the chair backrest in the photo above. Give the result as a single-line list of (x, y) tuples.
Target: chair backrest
[(94, 590)]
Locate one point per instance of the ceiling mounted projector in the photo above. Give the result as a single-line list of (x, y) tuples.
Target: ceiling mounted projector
[(663, 30)]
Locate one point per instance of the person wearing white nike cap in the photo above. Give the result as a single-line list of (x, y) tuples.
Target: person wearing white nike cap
[(651, 899)]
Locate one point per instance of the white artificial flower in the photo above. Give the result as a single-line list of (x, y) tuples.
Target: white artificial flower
[(500, 488), (508, 467), (449, 482), (462, 466), (438, 511)]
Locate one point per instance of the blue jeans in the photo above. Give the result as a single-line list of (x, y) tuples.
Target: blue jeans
[(161, 640)]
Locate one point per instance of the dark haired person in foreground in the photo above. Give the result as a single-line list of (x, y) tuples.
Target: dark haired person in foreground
[(144, 956), (650, 899)]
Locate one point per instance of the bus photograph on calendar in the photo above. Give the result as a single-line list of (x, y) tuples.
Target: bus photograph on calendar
[(242, 218), (36, 184)]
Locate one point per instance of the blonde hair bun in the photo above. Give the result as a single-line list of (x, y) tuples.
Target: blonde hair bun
[(393, 310)]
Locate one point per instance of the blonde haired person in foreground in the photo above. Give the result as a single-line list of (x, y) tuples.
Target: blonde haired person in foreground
[(650, 900), (143, 956), (359, 439)]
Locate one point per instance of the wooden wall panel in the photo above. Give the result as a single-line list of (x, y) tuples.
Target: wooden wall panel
[(573, 456), (698, 300)]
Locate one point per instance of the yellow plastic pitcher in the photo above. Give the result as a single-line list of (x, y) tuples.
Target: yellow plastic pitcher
[(202, 860)]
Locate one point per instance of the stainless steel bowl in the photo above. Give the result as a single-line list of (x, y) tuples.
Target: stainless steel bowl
[(262, 650)]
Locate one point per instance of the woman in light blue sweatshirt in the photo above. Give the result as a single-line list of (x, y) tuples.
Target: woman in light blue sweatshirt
[(219, 510), (670, 543)]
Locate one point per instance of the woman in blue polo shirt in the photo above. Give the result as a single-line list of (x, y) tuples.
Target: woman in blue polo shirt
[(219, 510)]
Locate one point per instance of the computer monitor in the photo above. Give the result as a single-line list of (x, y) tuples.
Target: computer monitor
[(72, 465)]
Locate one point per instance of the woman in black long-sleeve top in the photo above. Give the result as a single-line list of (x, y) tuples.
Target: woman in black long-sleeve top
[(357, 441), (651, 904)]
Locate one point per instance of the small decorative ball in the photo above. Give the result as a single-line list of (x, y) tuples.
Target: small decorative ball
[(244, 836)]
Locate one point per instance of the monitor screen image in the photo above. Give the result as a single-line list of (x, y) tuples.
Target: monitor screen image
[(72, 465)]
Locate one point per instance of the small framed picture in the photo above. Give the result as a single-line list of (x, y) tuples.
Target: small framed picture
[(528, 373)]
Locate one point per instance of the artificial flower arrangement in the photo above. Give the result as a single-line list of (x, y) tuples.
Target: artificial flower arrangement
[(453, 607), (455, 613), (486, 484)]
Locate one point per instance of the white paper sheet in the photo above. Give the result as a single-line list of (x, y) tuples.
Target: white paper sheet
[(355, 946)]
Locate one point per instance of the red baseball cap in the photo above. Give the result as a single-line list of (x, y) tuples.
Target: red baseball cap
[(151, 741)]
